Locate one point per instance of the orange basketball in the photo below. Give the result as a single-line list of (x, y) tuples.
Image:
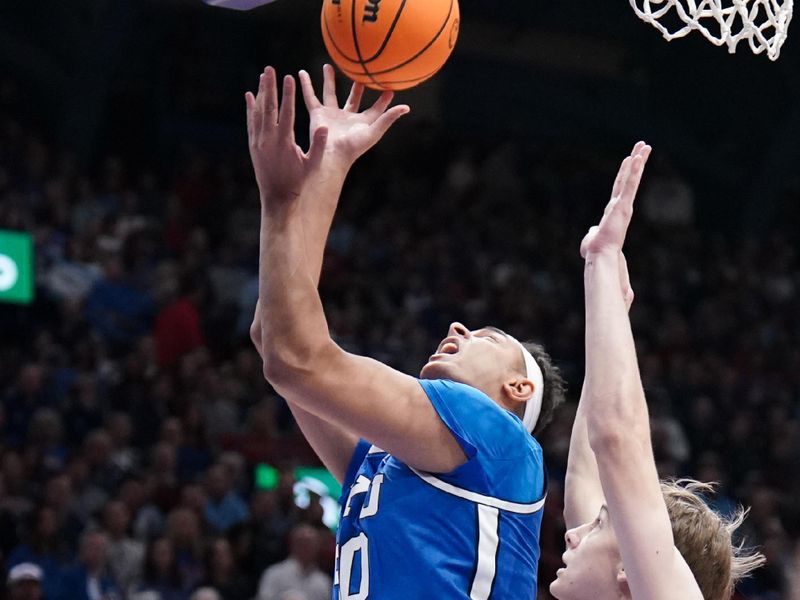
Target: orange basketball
[(390, 44)]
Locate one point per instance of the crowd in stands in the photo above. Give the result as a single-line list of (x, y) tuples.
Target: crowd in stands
[(133, 407)]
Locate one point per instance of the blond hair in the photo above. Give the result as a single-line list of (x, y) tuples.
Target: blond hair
[(705, 539)]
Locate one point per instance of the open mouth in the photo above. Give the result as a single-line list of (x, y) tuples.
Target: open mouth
[(448, 348)]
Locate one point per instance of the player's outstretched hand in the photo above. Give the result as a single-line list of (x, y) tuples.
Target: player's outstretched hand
[(609, 235), (351, 131), (281, 167)]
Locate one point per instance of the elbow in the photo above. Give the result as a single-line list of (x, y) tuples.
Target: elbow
[(610, 436), (281, 376), (616, 419), (606, 439), (288, 367)]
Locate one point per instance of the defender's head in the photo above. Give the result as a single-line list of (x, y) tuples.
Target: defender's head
[(495, 363), (593, 567)]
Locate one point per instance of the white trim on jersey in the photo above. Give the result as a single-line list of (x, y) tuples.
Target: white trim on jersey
[(514, 507), (375, 450), (488, 541)]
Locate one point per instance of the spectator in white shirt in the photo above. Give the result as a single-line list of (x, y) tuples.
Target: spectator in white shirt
[(299, 575)]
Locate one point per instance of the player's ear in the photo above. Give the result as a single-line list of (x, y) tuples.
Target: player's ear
[(518, 389), (622, 582)]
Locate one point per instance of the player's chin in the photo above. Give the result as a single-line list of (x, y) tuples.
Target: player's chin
[(436, 369), (555, 589)]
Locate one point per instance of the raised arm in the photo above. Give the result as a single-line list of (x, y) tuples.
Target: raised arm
[(583, 492), (302, 362), (318, 200), (616, 411)]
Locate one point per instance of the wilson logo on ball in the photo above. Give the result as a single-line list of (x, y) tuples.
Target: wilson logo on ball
[(371, 11)]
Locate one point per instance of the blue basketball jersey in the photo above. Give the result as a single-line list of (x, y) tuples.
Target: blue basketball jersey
[(472, 533)]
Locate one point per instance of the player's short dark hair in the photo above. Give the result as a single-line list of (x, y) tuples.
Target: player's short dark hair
[(555, 387)]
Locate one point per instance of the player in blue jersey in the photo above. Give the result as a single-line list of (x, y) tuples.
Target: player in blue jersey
[(443, 481), (631, 536)]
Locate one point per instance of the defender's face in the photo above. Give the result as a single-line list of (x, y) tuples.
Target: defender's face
[(483, 358), (591, 561)]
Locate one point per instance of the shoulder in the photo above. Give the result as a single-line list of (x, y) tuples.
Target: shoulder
[(474, 417), (445, 388)]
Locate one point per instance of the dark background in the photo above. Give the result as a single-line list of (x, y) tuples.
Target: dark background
[(114, 77)]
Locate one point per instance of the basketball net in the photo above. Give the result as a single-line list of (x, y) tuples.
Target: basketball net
[(762, 23)]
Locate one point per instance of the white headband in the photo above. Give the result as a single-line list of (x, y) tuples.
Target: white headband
[(533, 406)]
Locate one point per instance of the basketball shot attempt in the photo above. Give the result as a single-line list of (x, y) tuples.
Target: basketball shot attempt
[(390, 44), (443, 481), (631, 536)]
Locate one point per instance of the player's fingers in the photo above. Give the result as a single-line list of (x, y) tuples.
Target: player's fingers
[(637, 148), (255, 119), (637, 170), (268, 96), (353, 103), (317, 148), (622, 175), (329, 87), (387, 119), (250, 102), (286, 122), (309, 96), (380, 106)]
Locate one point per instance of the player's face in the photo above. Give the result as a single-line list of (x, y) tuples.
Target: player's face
[(484, 358), (591, 563)]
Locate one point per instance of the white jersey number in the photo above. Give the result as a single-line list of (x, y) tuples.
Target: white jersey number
[(360, 544)]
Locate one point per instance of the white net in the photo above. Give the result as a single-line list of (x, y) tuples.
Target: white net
[(762, 23)]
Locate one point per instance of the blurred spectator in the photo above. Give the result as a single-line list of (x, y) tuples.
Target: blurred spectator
[(207, 593), (25, 582), (161, 579), (223, 573), (90, 578), (298, 573), (125, 555), (21, 401), (117, 311), (224, 508), (269, 527), (124, 457), (58, 495), (183, 530), (178, 326), (44, 548)]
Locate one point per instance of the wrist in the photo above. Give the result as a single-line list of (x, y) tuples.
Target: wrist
[(335, 162), (604, 253)]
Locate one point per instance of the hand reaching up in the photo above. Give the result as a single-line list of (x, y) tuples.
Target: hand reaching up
[(339, 136), (351, 131), (609, 235)]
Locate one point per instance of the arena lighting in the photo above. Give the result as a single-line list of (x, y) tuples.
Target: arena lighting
[(16, 267), (308, 481)]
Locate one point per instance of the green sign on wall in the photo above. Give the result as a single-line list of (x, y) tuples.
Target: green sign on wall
[(16, 267)]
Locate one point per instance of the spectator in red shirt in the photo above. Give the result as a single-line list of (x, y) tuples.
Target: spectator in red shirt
[(178, 326)]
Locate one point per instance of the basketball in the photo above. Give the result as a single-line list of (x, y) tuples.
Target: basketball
[(390, 44)]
